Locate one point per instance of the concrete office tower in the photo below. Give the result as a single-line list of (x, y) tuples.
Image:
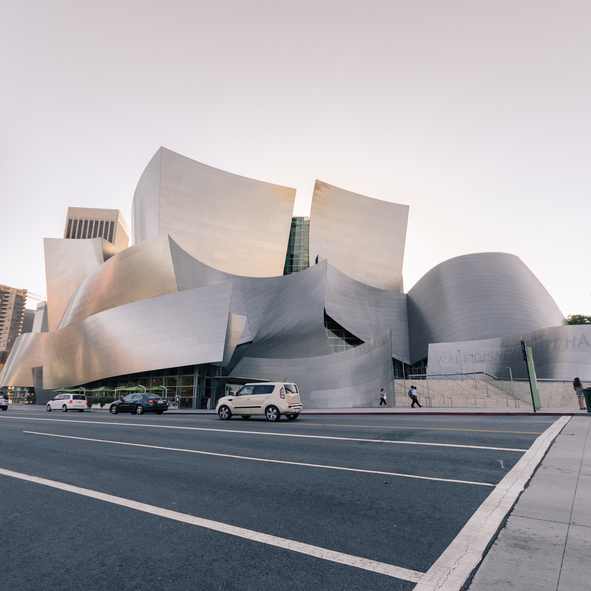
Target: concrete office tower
[(229, 222), (12, 312), (87, 222), (362, 237)]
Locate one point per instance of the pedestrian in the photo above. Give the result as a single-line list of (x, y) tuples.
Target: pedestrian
[(412, 393), (579, 391), (383, 398)]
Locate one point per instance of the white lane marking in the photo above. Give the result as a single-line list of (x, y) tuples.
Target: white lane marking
[(253, 459), (275, 434), (453, 567), (315, 551)]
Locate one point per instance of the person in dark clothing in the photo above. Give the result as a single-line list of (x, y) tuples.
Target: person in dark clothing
[(412, 393)]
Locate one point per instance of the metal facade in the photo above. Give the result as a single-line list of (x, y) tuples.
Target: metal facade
[(202, 284), (229, 222), (475, 297), (362, 237)]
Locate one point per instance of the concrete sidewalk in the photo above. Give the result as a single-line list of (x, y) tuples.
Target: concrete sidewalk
[(546, 542)]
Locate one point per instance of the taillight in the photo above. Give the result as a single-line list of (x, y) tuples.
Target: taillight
[(151, 401), (282, 393)]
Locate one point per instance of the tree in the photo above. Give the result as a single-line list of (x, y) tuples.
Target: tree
[(578, 319)]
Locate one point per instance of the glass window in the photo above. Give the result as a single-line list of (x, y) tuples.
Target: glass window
[(96, 226), (245, 391), (101, 229), (266, 389), (69, 232), (79, 231), (84, 234), (111, 227), (340, 338)]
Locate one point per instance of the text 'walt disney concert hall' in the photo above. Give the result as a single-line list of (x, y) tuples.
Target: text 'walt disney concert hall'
[(221, 282)]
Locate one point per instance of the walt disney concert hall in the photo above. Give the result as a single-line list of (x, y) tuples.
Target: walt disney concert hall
[(222, 283)]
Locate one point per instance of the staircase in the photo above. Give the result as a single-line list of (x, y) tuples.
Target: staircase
[(449, 393)]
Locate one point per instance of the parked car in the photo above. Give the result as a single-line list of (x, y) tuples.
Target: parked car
[(67, 402), (3, 402), (139, 404), (271, 399)]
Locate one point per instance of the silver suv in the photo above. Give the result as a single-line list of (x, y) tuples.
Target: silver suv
[(271, 399)]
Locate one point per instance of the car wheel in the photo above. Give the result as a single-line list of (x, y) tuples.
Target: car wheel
[(64, 408), (48, 408), (224, 413), (159, 412), (272, 413), (139, 409), (246, 417), (113, 409), (293, 416)]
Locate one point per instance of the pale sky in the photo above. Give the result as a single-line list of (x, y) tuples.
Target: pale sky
[(475, 113)]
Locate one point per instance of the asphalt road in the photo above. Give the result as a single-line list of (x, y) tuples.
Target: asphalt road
[(391, 490)]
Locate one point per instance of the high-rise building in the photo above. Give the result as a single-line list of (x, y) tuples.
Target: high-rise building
[(88, 222), (12, 311)]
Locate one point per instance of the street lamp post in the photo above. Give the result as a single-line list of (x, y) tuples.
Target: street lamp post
[(461, 370), (474, 372), (511, 376)]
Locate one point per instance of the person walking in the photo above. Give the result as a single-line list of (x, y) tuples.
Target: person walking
[(383, 398), (412, 393), (579, 391)]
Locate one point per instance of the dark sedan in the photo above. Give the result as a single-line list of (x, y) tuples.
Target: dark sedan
[(139, 404)]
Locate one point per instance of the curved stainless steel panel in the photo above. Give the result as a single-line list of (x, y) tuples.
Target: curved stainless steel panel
[(137, 273), (285, 314), (474, 297), (27, 353), (362, 237), (67, 264), (349, 379), (172, 330), (243, 224), (367, 311)]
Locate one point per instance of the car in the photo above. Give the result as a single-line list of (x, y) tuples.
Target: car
[(66, 402), (3, 402), (139, 404), (271, 399)]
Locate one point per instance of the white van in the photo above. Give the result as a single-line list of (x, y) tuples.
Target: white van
[(66, 402), (271, 399)]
